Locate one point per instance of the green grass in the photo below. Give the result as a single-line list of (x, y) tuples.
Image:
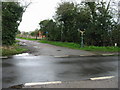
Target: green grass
[(63, 44), (11, 50), (77, 46), (104, 49), (16, 41)]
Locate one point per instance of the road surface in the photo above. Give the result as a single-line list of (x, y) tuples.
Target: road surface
[(42, 65), (38, 49)]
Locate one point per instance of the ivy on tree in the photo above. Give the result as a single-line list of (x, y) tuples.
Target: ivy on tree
[(11, 18)]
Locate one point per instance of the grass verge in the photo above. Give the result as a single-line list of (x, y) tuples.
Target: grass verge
[(11, 50), (77, 46)]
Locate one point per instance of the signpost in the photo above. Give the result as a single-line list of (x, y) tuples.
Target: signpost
[(82, 33)]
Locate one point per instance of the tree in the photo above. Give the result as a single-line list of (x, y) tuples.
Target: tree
[(115, 35), (18, 32), (66, 16), (35, 33), (100, 25), (50, 29), (11, 16), (95, 18), (0, 23)]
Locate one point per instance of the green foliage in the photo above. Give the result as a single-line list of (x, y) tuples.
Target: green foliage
[(101, 48), (50, 29), (115, 35), (94, 18), (18, 32), (100, 26), (66, 15), (35, 33), (63, 44), (77, 46), (11, 16), (14, 49)]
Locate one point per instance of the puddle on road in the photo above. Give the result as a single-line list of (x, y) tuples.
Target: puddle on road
[(36, 47), (23, 54)]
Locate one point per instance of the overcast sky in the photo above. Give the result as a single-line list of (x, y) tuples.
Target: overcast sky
[(37, 11)]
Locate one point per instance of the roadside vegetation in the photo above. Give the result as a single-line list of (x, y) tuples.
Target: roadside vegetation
[(11, 50), (11, 18), (10, 24), (96, 19), (77, 46)]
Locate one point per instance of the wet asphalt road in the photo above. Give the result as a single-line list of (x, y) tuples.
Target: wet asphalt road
[(20, 69)]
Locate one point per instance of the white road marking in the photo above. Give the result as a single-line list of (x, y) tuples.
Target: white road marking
[(42, 83), (100, 78)]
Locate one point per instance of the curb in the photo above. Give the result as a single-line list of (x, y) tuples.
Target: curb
[(68, 56)]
